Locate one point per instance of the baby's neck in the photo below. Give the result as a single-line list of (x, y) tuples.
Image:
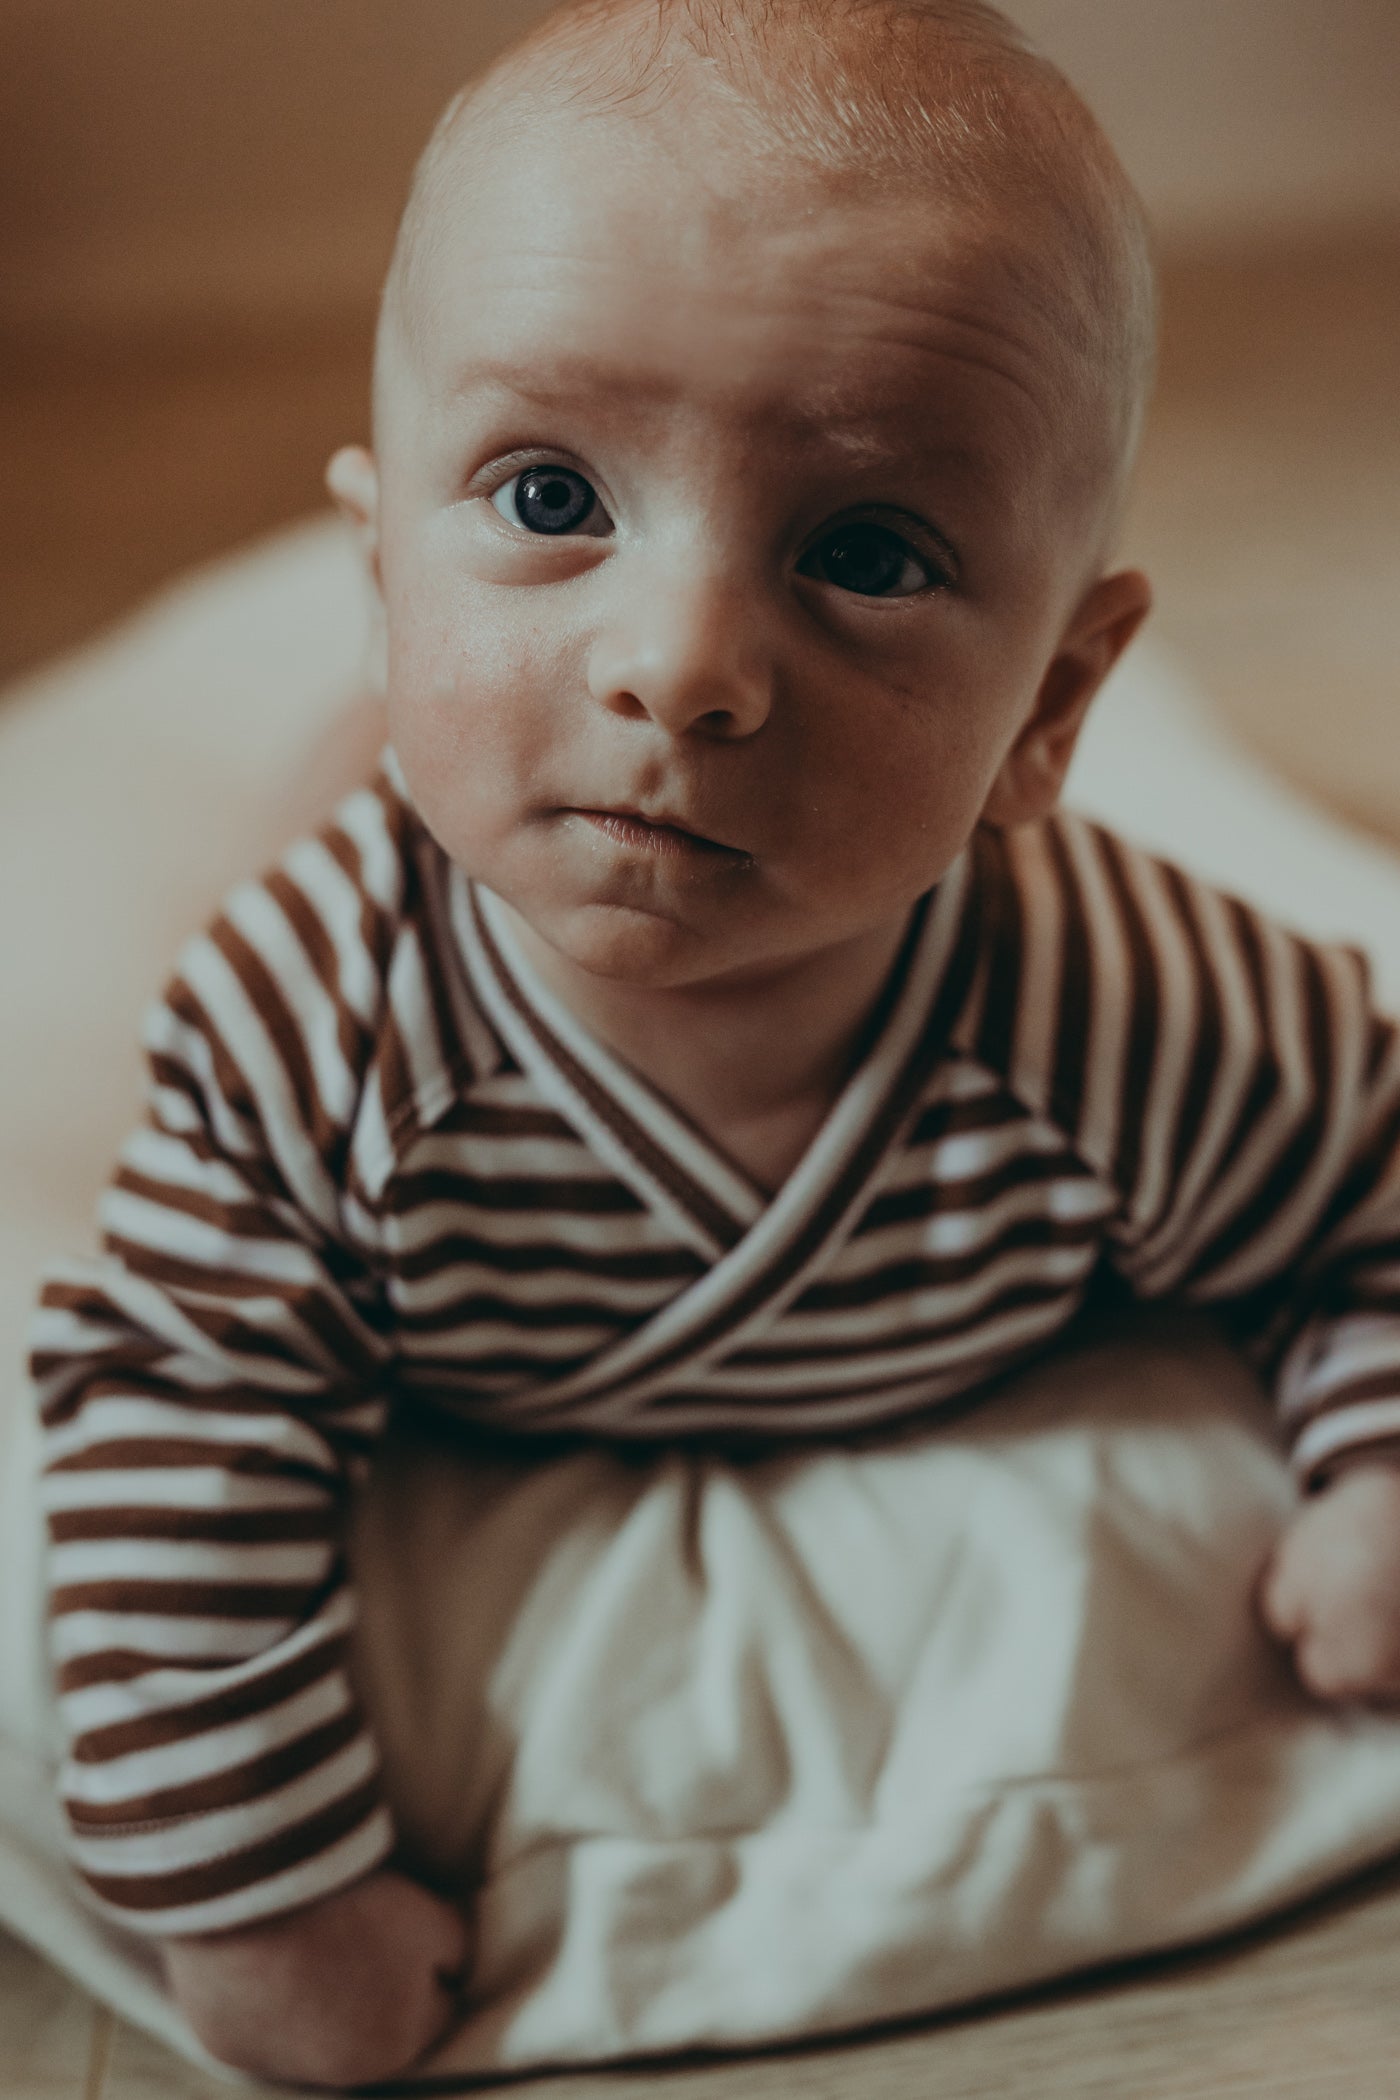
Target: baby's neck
[(756, 1066)]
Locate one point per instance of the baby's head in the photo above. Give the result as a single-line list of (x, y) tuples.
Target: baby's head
[(756, 388)]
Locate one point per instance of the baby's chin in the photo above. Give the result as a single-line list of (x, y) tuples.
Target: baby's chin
[(644, 946)]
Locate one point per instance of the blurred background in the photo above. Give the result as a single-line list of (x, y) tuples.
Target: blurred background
[(197, 202)]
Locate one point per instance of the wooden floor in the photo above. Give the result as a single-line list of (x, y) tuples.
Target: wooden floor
[(1308, 2010), (1268, 509), (1269, 515)]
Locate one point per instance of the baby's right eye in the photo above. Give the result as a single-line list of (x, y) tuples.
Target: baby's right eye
[(551, 500)]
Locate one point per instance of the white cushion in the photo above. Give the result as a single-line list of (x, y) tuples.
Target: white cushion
[(733, 1752)]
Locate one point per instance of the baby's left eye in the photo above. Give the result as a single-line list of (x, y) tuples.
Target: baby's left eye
[(551, 500), (873, 561)]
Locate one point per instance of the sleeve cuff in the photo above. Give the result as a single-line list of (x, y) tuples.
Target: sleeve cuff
[(213, 1874)]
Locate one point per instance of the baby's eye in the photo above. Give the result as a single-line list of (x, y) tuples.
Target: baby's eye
[(871, 560), (551, 500)]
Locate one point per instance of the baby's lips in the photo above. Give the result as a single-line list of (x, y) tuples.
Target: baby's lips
[(663, 820)]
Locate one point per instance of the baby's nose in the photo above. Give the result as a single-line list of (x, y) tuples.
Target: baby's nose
[(690, 656)]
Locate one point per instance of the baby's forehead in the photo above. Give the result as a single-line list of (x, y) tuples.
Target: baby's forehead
[(827, 289), (765, 134), (1041, 195)]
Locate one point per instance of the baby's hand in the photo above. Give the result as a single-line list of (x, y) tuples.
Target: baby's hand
[(349, 1990), (1332, 1588)]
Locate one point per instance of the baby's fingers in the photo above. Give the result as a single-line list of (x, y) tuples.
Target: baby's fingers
[(1282, 1593), (1351, 1658), (446, 1981)]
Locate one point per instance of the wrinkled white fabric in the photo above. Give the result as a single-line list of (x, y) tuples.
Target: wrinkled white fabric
[(725, 1752), (739, 1752)]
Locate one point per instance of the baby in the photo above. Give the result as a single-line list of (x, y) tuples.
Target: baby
[(703, 1023)]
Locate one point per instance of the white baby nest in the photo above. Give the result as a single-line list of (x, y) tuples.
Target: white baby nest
[(735, 1753)]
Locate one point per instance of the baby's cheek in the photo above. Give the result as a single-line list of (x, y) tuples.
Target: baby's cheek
[(471, 766), (907, 790)]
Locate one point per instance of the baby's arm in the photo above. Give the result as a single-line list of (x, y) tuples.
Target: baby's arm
[(204, 1390), (1239, 1088), (1331, 1590)]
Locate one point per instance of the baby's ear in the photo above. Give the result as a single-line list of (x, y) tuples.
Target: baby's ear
[(1034, 769), (353, 480)]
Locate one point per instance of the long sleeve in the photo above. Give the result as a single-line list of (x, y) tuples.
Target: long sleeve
[(1237, 1086), (1296, 1231), (204, 1388)]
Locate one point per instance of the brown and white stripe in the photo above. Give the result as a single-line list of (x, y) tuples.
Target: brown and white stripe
[(382, 1161)]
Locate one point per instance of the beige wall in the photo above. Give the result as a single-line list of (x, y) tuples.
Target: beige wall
[(162, 160), (164, 157), (1240, 116)]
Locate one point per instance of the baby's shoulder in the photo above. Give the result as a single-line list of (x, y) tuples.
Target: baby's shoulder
[(323, 1001), (1109, 978), (1066, 903)]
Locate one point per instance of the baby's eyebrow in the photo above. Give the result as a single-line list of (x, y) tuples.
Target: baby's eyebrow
[(854, 433), (582, 377)]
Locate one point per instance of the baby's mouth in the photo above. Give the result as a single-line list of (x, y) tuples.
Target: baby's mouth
[(660, 835)]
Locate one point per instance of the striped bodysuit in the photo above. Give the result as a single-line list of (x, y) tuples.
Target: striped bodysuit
[(384, 1166)]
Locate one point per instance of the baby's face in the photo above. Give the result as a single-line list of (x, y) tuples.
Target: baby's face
[(726, 542)]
